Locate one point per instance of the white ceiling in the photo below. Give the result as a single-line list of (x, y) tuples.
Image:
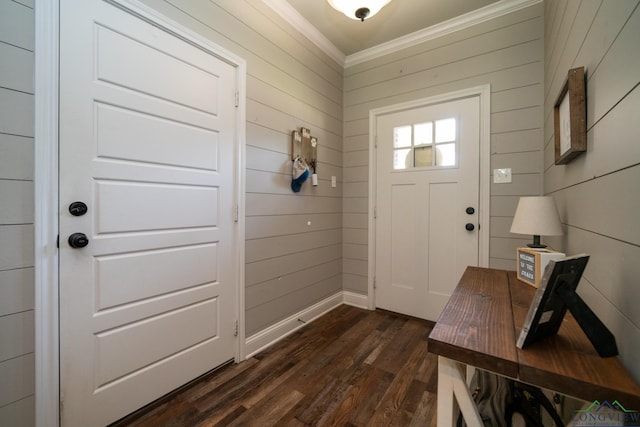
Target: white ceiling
[(400, 24), (398, 18)]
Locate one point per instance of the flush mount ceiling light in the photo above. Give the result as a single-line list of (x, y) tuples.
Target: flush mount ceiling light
[(358, 9)]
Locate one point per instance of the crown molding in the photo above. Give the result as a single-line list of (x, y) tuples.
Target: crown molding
[(458, 23), (297, 21), (492, 11)]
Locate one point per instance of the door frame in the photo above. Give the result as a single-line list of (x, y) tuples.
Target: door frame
[(484, 94), (46, 170)]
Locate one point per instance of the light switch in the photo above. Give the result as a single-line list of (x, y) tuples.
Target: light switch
[(333, 181), (502, 176)]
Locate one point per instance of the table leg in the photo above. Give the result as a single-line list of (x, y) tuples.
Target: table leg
[(452, 384)]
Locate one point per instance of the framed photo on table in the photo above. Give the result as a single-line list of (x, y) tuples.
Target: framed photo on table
[(570, 118), (548, 308), (557, 294)]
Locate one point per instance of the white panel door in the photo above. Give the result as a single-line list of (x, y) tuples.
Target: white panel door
[(147, 143), (427, 176)]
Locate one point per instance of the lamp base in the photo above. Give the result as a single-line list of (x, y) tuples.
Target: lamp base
[(538, 246), (536, 243)]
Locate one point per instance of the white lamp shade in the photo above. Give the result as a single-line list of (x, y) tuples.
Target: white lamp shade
[(349, 7), (537, 216)]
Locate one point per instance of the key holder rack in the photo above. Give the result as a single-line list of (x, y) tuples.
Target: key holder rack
[(305, 146)]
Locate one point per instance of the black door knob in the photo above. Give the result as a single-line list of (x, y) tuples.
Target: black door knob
[(470, 227), (470, 210), (78, 208), (78, 240)]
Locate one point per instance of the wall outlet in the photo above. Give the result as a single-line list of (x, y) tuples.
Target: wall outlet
[(502, 176)]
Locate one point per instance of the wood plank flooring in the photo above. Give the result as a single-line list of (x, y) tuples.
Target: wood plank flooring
[(351, 367)]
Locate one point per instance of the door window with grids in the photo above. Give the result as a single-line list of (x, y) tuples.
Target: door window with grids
[(428, 144)]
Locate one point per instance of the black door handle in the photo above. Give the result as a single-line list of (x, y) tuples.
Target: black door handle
[(78, 240), (78, 208), (470, 227)]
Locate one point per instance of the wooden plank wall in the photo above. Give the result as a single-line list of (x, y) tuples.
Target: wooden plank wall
[(293, 241), (598, 193), (17, 343), (506, 53)]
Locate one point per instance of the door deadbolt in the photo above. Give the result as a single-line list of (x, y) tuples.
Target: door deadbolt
[(78, 240), (470, 211), (78, 208)]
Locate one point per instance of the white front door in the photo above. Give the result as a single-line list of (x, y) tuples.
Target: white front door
[(427, 203), (148, 144)]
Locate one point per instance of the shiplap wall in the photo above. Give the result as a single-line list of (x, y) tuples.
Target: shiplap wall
[(293, 241), (598, 193), (16, 213), (507, 53)]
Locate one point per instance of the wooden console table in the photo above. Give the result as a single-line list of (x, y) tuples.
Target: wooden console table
[(479, 327)]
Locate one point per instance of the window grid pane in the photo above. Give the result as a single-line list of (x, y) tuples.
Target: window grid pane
[(423, 157), (402, 137), (414, 144), (446, 154), (423, 133), (402, 158), (445, 130)]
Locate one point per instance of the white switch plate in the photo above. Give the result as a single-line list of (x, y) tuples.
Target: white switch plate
[(502, 176), (333, 181)]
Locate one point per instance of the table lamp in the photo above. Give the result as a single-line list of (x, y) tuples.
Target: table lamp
[(537, 216)]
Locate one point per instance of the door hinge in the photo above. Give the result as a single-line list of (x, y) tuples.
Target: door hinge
[(235, 333), (375, 141), (374, 282), (375, 212), (236, 213), (58, 241), (237, 99)]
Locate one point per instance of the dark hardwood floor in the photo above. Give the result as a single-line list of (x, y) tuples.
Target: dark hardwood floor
[(351, 367)]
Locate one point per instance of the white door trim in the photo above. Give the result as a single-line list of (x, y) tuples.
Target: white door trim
[(46, 213), (47, 334), (484, 93)]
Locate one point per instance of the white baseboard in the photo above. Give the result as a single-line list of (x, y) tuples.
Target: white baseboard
[(356, 300), (269, 336)]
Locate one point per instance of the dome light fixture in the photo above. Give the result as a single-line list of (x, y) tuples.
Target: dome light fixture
[(358, 9)]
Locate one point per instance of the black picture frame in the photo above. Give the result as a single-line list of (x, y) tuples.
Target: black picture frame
[(556, 294), (547, 308), (570, 118)]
